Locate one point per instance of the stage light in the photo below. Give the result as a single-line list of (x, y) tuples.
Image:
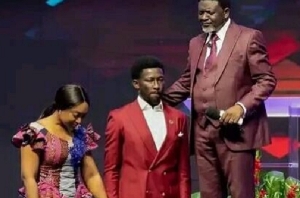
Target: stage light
[(53, 3)]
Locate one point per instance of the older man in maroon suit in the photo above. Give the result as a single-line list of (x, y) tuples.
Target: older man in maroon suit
[(228, 69)]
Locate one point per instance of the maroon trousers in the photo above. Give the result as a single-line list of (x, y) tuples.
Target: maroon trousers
[(221, 169)]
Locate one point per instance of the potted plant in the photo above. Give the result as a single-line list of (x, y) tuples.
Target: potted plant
[(272, 184)]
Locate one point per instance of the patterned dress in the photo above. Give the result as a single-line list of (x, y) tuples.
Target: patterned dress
[(57, 176)]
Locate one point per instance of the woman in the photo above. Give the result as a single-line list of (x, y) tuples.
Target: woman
[(56, 160)]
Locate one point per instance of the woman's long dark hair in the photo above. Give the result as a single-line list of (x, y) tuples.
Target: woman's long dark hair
[(66, 97)]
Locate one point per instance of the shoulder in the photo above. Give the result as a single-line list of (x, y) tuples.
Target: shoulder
[(197, 39), (246, 29), (116, 116), (175, 112), (32, 134), (120, 111), (249, 37), (249, 32)]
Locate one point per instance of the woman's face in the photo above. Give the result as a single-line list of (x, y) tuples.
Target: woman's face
[(73, 116)]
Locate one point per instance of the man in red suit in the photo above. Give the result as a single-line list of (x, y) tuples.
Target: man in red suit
[(146, 146), (228, 69)]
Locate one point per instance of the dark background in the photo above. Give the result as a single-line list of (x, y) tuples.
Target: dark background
[(94, 42)]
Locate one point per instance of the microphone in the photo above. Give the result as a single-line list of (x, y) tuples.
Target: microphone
[(216, 114)]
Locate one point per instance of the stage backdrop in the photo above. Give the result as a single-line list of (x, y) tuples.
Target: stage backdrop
[(93, 43)]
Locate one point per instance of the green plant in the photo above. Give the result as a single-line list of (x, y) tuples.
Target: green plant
[(272, 184)]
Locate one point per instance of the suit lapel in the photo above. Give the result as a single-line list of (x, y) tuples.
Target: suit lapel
[(137, 117), (171, 124), (196, 52), (229, 42)]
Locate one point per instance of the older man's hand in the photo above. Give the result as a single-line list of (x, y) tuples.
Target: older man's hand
[(232, 115)]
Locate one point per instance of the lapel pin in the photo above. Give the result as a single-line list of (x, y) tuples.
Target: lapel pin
[(171, 122)]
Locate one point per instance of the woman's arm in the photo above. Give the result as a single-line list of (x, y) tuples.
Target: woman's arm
[(29, 170), (92, 178)]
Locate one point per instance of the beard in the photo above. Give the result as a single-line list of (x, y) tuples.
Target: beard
[(153, 101), (208, 29)]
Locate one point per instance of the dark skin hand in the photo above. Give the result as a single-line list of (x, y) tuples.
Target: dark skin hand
[(232, 115)]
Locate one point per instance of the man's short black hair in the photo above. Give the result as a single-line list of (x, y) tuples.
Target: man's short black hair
[(223, 3), (144, 62)]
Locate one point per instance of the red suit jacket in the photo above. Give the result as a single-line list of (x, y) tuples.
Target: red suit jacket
[(133, 168), (243, 74)]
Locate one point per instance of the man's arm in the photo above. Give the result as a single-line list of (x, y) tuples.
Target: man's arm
[(179, 90), (112, 155), (184, 163), (261, 73), (262, 76)]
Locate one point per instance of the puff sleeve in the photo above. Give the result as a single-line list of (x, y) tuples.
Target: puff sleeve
[(29, 135), (91, 138)]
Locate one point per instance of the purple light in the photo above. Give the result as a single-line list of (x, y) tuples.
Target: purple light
[(276, 106)]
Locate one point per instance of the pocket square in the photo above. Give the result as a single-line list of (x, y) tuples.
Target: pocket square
[(180, 134)]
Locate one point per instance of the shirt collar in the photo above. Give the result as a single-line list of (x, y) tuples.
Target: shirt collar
[(221, 32), (145, 106)]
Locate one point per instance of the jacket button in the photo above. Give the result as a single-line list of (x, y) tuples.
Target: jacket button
[(149, 170), (164, 173), (147, 191), (163, 194)]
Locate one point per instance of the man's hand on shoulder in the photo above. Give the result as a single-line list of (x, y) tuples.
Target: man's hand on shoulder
[(232, 115)]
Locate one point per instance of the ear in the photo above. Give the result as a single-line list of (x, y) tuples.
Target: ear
[(226, 13), (135, 84)]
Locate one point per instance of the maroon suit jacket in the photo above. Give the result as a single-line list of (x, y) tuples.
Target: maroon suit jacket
[(133, 168), (244, 75)]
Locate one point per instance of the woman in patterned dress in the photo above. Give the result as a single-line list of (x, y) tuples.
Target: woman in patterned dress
[(56, 160)]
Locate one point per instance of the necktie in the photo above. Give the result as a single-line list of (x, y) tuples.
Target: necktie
[(212, 58)]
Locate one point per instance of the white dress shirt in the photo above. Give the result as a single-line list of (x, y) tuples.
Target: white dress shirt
[(221, 33), (156, 121), (221, 36)]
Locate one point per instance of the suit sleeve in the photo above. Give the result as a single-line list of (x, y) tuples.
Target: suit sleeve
[(180, 89), (261, 73), (184, 163), (112, 155)]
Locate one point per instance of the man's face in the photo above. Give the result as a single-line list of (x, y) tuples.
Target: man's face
[(150, 85), (211, 15)]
